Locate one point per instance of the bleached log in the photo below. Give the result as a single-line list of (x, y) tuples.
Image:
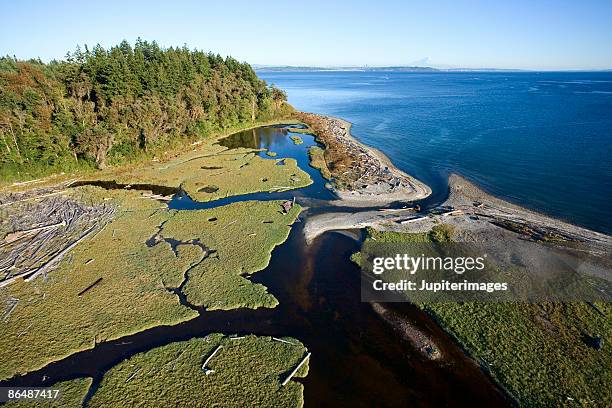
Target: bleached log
[(43, 228), (59, 256), (208, 370), (452, 213), (133, 375), (408, 221), (24, 331), (8, 312), (8, 281), (296, 369), (395, 209), (283, 341), (23, 183)]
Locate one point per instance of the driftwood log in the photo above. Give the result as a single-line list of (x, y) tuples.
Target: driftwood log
[(295, 370), (207, 370)]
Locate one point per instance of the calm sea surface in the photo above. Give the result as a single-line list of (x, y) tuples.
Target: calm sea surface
[(542, 140)]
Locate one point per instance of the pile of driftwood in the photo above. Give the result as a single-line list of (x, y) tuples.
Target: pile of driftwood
[(43, 226), (7, 199)]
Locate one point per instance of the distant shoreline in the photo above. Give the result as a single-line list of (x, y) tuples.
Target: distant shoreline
[(281, 69)]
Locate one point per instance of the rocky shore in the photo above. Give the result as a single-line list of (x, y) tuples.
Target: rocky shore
[(362, 175)]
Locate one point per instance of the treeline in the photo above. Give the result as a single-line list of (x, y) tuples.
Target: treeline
[(101, 106)]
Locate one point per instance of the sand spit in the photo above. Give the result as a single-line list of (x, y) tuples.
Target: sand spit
[(472, 206), (476, 216), (363, 176), (330, 221)]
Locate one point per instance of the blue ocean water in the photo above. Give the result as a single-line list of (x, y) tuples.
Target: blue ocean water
[(541, 140)]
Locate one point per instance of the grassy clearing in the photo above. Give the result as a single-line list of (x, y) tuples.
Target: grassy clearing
[(296, 140), (72, 395), (439, 233), (248, 372), (214, 172), (317, 160), (243, 174), (243, 245), (539, 352), (50, 320)]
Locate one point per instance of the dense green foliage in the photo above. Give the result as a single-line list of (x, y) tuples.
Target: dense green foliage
[(99, 106)]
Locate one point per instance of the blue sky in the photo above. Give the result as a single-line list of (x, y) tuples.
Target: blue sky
[(536, 34)]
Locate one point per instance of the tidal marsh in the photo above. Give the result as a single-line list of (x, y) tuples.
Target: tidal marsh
[(240, 238), (246, 372), (212, 172), (541, 353), (51, 321)]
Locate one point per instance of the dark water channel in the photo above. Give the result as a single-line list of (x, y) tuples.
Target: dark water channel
[(358, 359)]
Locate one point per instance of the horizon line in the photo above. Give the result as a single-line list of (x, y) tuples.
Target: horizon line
[(416, 67)]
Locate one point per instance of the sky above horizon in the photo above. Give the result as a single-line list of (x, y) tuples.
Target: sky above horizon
[(545, 34)]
